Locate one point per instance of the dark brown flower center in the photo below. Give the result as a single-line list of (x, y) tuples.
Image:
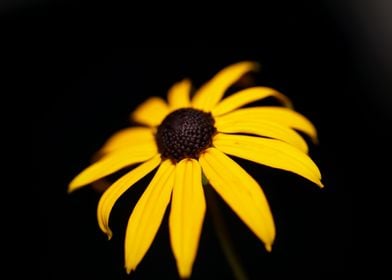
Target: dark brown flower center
[(185, 133)]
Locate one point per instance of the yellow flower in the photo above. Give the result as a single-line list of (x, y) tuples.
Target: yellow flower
[(187, 138)]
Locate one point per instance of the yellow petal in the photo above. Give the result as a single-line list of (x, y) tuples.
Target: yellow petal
[(147, 215), (113, 162), (280, 115), (270, 152), (187, 214), (262, 128), (128, 137), (151, 112), (211, 93), (115, 191), (246, 96), (241, 192), (178, 96)]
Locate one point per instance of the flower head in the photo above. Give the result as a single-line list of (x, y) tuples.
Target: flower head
[(187, 138)]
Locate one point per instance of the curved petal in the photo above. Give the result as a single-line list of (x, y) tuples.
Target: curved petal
[(280, 115), (113, 162), (147, 215), (241, 192), (151, 112), (116, 190), (178, 96), (263, 128), (270, 152), (128, 137), (187, 214), (211, 93), (247, 96)]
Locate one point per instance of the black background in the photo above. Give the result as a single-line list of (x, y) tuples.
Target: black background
[(88, 76)]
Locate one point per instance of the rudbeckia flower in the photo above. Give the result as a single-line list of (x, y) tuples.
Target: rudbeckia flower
[(187, 139)]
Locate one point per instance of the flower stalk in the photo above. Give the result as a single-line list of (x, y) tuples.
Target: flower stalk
[(222, 233)]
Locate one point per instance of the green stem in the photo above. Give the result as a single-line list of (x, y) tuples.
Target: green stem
[(223, 234)]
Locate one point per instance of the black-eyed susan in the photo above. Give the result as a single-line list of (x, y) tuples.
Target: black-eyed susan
[(188, 138)]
